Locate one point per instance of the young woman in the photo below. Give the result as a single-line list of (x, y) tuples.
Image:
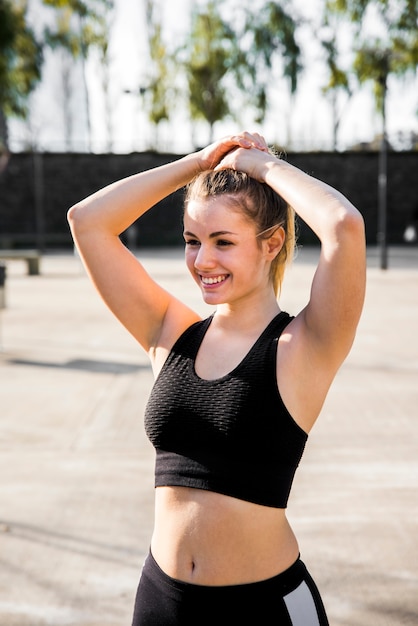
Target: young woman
[(237, 394)]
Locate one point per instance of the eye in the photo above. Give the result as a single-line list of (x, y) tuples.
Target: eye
[(192, 242), (223, 243)]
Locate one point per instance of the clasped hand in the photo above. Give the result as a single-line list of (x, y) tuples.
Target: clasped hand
[(246, 152)]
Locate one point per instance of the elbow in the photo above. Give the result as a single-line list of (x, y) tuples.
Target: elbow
[(345, 233), (76, 218), (73, 214), (355, 226), (351, 226)]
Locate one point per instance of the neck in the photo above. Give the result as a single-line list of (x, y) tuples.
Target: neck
[(249, 317)]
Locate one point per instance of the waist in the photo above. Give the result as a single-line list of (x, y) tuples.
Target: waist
[(206, 538)]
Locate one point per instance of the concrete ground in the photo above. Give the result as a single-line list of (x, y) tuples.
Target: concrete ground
[(76, 471)]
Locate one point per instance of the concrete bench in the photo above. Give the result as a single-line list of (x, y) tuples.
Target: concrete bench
[(32, 258)]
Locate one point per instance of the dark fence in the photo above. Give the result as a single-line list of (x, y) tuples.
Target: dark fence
[(36, 190)]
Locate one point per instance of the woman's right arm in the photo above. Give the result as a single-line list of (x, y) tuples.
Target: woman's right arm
[(139, 303), (151, 314)]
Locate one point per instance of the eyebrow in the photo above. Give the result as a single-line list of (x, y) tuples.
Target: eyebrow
[(218, 233)]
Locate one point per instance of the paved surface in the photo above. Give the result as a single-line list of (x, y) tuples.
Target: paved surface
[(76, 485)]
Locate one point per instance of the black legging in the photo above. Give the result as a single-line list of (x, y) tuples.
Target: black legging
[(288, 599)]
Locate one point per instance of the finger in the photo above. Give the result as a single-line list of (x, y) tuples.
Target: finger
[(260, 142), (252, 140), (243, 139), (228, 162)]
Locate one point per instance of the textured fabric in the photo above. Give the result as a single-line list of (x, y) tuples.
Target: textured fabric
[(232, 435), (283, 600)]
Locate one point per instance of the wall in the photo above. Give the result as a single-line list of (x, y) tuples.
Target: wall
[(36, 191)]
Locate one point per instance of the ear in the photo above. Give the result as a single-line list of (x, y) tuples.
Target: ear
[(274, 244)]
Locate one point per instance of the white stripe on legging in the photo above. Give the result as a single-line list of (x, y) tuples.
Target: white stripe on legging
[(301, 607)]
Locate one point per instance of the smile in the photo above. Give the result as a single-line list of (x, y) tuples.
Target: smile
[(213, 280)]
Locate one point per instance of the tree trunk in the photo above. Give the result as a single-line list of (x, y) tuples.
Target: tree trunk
[(4, 132)]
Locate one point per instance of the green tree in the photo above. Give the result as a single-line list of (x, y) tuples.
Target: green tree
[(103, 48), (394, 52), (210, 60), (338, 85), (80, 26), (20, 64), (159, 93), (269, 39)]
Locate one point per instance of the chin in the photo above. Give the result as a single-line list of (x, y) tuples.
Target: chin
[(212, 298)]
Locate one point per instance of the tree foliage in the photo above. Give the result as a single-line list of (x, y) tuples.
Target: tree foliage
[(159, 88), (338, 86), (79, 27), (211, 56), (20, 63), (226, 58), (393, 51), (272, 40)]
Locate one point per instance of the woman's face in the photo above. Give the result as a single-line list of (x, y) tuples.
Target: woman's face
[(222, 252)]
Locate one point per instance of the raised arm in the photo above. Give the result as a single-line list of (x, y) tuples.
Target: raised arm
[(149, 313), (338, 287), (322, 334)]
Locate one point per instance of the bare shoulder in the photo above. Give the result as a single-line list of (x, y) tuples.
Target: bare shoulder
[(178, 318)]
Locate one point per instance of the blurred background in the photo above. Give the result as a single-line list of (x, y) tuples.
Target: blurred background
[(123, 75), (93, 90)]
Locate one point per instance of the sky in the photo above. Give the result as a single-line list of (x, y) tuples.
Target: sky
[(304, 124)]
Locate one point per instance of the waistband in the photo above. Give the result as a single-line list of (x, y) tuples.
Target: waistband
[(281, 584)]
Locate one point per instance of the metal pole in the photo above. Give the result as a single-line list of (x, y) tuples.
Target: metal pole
[(382, 184), (2, 298), (38, 175), (382, 217)]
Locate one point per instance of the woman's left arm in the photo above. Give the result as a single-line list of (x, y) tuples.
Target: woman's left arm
[(338, 287), (329, 321)]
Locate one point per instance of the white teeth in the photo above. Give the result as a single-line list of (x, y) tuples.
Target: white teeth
[(212, 281)]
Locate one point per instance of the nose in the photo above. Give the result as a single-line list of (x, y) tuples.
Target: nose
[(204, 258)]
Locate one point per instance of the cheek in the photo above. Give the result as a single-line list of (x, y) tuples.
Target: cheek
[(190, 257)]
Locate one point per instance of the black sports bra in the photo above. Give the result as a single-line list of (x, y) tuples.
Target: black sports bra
[(232, 435)]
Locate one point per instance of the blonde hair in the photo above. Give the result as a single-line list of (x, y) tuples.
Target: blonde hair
[(258, 202)]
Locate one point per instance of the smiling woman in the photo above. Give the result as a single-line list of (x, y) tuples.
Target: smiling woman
[(222, 550)]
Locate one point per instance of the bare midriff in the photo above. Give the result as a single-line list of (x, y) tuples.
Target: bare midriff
[(207, 538)]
